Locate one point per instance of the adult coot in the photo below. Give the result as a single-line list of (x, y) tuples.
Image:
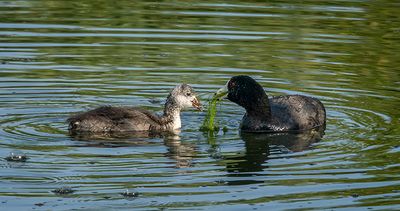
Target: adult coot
[(120, 119), (276, 114)]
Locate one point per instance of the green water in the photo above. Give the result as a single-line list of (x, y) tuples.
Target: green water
[(62, 57)]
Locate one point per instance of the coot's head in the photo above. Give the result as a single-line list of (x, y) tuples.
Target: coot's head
[(244, 91), (184, 96)]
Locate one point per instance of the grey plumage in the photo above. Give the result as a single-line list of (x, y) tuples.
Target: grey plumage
[(287, 113), (120, 119)]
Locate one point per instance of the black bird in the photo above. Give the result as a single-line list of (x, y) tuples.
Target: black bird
[(276, 114)]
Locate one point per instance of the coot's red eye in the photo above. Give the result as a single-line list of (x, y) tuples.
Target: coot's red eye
[(231, 84)]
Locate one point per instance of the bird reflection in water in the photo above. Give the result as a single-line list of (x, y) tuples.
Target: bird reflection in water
[(260, 146), (181, 152)]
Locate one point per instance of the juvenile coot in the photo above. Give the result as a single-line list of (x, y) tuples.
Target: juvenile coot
[(120, 119), (277, 114)]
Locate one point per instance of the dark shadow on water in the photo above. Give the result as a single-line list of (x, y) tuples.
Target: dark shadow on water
[(258, 150), (181, 152), (118, 139), (250, 162)]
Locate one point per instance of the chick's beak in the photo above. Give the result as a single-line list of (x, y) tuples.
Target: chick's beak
[(196, 104), (221, 93)]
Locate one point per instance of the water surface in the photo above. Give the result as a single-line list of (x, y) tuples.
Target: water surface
[(61, 57)]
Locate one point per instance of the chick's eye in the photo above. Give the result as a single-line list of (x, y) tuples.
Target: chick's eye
[(188, 93)]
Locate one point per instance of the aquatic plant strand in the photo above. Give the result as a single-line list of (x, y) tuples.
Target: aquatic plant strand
[(209, 122)]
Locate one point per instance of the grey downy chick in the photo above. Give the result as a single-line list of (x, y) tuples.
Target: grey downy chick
[(131, 119)]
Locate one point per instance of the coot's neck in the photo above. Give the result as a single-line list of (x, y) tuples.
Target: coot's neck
[(258, 107), (172, 115)]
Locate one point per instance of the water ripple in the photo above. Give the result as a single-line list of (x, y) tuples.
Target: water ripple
[(59, 58)]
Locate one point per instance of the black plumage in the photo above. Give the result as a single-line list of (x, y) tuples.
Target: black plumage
[(276, 114)]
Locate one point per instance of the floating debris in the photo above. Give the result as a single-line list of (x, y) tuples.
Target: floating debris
[(215, 153), (17, 156), (63, 190), (217, 156), (40, 204), (128, 194)]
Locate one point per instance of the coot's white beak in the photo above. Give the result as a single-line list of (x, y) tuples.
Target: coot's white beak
[(222, 93)]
